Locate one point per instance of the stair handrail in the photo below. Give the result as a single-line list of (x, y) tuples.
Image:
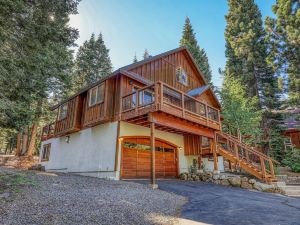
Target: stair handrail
[(247, 147)]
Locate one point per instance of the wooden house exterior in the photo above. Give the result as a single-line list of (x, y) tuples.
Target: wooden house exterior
[(159, 114)]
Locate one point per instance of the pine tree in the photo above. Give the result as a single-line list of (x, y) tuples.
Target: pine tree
[(284, 41), (246, 52), (146, 54), (92, 62), (35, 57), (188, 40), (135, 59)]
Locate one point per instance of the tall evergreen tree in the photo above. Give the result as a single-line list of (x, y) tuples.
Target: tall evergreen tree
[(284, 41), (135, 59), (189, 40), (35, 57), (92, 62), (246, 52), (146, 54)]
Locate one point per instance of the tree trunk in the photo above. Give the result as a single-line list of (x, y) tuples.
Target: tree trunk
[(18, 147), (32, 140), (25, 141)]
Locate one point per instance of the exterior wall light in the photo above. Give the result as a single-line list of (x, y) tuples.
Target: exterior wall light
[(180, 148)]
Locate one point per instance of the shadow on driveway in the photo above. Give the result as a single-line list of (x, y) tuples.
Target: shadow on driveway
[(216, 204)]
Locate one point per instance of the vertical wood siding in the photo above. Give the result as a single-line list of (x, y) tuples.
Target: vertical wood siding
[(163, 69)]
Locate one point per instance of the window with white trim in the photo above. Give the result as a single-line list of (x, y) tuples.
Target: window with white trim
[(96, 95), (46, 152), (62, 111), (181, 76)]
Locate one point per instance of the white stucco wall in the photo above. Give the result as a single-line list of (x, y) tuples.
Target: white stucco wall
[(209, 165), (89, 152), (127, 129)]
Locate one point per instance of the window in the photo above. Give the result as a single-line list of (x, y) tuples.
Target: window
[(96, 95), (46, 152), (205, 141), (134, 96), (146, 97), (62, 111), (181, 76)]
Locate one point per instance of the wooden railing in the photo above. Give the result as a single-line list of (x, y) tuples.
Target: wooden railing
[(163, 97), (48, 131), (248, 158)]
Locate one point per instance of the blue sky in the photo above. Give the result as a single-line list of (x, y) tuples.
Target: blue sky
[(130, 26)]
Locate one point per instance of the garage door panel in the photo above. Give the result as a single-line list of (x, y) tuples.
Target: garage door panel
[(136, 163)]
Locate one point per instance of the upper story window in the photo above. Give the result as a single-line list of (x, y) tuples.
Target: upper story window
[(181, 76), (62, 111), (96, 95)]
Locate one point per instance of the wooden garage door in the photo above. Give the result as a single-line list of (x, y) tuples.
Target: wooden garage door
[(136, 159)]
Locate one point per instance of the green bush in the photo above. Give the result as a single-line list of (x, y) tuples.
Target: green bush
[(292, 160)]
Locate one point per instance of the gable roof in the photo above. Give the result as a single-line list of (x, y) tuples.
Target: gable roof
[(124, 70), (198, 91)]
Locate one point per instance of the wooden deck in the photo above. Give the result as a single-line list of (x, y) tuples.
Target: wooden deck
[(160, 97)]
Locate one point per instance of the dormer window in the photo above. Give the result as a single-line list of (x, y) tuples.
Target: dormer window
[(62, 111), (96, 95), (181, 76)]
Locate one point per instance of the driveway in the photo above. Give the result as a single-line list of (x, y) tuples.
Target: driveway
[(215, 204), (28, 198)]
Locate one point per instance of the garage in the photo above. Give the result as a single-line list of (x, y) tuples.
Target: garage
[(136, 158)]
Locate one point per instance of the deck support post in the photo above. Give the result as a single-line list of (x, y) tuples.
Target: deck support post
[(152, 143), (216, 169)]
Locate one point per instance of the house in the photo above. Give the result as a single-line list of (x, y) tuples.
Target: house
[(292, 127), (158, 114)]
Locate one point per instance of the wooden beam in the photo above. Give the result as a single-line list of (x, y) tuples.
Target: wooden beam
[(215, 154), (152, 140), (181, 125)]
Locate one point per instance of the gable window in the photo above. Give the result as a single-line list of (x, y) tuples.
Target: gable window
[(181, 76), (96, 95), (46, 152), (62, 111)]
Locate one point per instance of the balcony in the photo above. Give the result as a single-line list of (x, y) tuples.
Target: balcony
[(48, 131), (164, 98)]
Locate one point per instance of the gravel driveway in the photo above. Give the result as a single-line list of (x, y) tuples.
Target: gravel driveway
[(71, 199)]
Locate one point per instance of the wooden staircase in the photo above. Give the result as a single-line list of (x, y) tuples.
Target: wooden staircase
[(245, 157)]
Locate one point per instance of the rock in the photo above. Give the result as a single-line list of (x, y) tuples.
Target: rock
[(5, 195), (183, 177), (264, 187), (245, 184), (222, 177), (209, 180), (209, 174), (217, 182), (235, 181), (216, 177), (252, 181), (189, 175), (245, 179), (196, 178), (190, 179), (225, 182)]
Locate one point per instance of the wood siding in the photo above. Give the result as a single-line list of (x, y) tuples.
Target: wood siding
[(163, 69), (72, 122)]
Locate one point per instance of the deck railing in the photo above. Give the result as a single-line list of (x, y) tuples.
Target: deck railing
[(162, 97), (48, 131)]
